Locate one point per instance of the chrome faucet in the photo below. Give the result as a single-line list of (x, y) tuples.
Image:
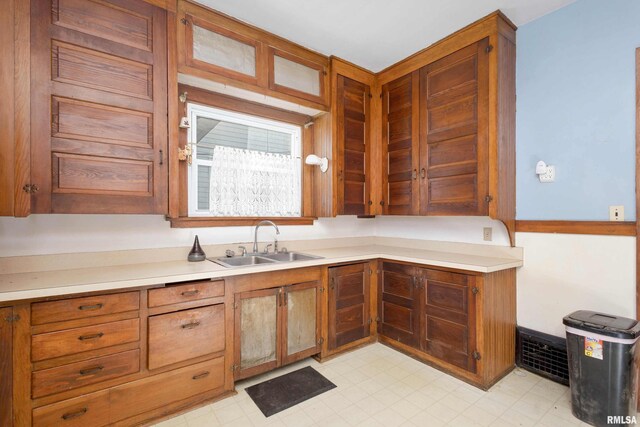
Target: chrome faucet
[(255, 236)]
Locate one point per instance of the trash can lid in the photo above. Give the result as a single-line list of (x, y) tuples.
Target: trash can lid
[(604, 324)]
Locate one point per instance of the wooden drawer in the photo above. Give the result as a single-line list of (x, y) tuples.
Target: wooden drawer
[(80, 308), (154, 392), (183, 335), (74, 375), (88, 410), (186, 292), (77, 340)]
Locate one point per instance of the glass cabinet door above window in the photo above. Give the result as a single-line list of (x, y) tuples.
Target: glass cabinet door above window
[(296, 76), (221, 51)]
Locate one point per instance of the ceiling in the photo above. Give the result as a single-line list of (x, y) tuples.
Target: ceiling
[(374, 33)]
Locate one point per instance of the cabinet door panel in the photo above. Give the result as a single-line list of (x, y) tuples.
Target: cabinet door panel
[(454, 94), (98, 101), (348, 304), (353, 146), (6, 371), (257, 332), (397, 303), (301, 313), (449, 318), (400, 146)]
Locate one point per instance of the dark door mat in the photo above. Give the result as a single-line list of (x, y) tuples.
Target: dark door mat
[(288, 390)]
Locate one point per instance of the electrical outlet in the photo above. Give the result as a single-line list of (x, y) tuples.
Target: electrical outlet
[(486, 233), (616, 213), (549, 175)]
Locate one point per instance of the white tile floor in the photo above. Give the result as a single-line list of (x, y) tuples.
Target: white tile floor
[(378, 386)]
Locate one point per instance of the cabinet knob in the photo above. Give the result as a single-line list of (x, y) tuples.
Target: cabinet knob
[(190, 293), (414, 174), (200, 376), (423, 173), (90, 371)]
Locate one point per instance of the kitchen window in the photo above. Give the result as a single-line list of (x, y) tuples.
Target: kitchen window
[(242, 165)]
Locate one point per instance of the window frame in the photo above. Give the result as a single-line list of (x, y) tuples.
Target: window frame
[(195, 110), (178, 176)]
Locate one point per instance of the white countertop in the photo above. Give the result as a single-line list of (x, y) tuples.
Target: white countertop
[(27, 285)]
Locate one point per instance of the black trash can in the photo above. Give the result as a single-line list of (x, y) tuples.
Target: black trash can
[(602, 354)]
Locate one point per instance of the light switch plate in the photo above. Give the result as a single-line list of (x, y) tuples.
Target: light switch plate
[(616, 213)]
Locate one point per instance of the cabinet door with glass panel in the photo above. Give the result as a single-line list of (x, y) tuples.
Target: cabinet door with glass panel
[(275, 327), (219, 48), (242, 165)]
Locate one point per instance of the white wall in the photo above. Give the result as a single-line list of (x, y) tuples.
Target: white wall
[(55, 234), (565, 272)]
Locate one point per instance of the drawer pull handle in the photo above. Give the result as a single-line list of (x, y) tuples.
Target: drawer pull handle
[(91, 307), (200, 376), (90, 371), (191, 325), (91, 337), (72, 415), (190, 293)]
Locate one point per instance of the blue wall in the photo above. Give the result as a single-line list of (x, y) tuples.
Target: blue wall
[(576, 110)]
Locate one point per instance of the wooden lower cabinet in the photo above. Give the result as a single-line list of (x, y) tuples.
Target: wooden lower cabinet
[(349, 317), (6, 366), (462, 322), (158, 391), (398, 308), (184, 335), (275, 327), (135, 398)]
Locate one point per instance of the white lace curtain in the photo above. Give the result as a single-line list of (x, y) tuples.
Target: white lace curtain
[(253, 183)]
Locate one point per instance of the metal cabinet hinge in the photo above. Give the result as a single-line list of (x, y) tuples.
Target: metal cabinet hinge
[(30, 188), (378, 319), (184, 21), (489, 48), (370, 320), (320, 341), (475, 290), (333, 283), (235, 305), (488, 198), (234, 367), (321, 289), (476, 355), (12, 318)]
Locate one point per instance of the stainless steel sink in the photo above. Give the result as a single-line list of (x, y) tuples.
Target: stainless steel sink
[(242, 261), (290, 256), (253, 259)]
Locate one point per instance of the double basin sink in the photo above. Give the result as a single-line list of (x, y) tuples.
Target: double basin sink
[(262, 259)]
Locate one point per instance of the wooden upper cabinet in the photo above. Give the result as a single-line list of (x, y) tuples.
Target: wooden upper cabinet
[(454, 160), (98, 107), (217, 47), (353, 147), (400, 146)]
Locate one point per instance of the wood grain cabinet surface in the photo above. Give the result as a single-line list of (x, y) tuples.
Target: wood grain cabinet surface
[(82, 308), (6, 366), (184, 335), (463, 323), (99, 107), (348, 305)]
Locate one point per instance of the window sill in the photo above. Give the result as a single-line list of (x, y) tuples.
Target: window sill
[(195, 222)]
